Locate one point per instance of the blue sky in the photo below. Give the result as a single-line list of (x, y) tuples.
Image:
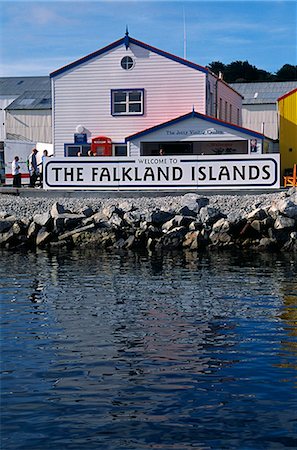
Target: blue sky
[(39, 37)]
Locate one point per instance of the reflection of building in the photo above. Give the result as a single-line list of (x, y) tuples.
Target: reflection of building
[(142, 99), (287, 106)]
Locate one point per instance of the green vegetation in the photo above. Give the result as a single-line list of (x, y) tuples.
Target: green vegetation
[(243, 71)]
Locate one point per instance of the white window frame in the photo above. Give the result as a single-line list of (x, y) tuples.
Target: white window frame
[(127, 102)]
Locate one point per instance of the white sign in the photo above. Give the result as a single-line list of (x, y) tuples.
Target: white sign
[(164, 172)]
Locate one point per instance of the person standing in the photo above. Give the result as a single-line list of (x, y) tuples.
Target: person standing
[(33, 169), (15, 170), (44, 156)]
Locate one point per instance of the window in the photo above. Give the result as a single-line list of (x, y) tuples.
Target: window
[(221, 109), (120, 149), (238, 117), (127, 102), (127, 63), (230, 113), (226, 111)]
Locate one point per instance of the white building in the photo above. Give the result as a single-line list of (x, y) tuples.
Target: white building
[(259, 105), (128, 87)]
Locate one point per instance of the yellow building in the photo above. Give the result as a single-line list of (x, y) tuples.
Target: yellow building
[(287, 107)]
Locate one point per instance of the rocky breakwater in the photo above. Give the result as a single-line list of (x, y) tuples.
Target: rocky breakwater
[(193, 224)]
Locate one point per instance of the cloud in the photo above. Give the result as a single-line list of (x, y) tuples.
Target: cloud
[(34, 66)]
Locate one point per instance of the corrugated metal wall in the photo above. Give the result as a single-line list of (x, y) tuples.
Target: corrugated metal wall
[(29, 124), (262, 118), (288, 130)]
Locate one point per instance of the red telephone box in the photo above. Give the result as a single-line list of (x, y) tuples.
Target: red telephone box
[(101, 146)]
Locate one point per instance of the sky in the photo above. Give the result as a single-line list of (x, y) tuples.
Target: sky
[(39, 37)]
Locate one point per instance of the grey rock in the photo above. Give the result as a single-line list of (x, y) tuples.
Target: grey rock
[(16, 229), (115, 221), (190, 239), (99, 217), (57, 209), (257, 214), (76, 231), (209, 215), (5, 224), (43, 237), (130, 242), (189, 211), (283, 222), (110, 210), (174, 238), (195, 225), (6, 237), (288, 208), (159, 217), (42, 219), (33, 230), (133, 218), (88, 211), (67, 221), (269, 244), (220, 238), (221, 225)]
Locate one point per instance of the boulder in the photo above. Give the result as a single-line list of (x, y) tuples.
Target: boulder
[(174, 238), (88, 211), (76, 231), (130, 242), (6, 237), (210, 215), (5, 224), (43, 237), (109, 211), (220, 238), (133, 218), (43, 219), (159, 217), (268, 244), (221, 225), (32, 230), (57, 209), (67, 221), (257, 214), (283, 222), (287, 207), (115, 221)]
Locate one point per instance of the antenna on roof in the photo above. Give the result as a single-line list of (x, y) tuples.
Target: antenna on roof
[(127, 32), (185, 35)]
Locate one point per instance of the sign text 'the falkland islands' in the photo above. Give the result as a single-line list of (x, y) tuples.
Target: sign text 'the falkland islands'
[(166, 172)]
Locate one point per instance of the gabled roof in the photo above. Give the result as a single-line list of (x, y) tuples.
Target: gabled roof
[(18, 85), (127, 40), (287, 94), (264, 92), (32, 100), (198, 116)]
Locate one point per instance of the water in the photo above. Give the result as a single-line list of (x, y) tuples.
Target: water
[(126, 351)]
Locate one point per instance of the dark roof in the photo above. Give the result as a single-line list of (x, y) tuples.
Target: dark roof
[(287, 94), (263, 92), (32, 100), (198, 116), (127, 40), (18, 85)]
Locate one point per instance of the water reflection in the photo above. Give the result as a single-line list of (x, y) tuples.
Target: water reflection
[(125, 351)]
